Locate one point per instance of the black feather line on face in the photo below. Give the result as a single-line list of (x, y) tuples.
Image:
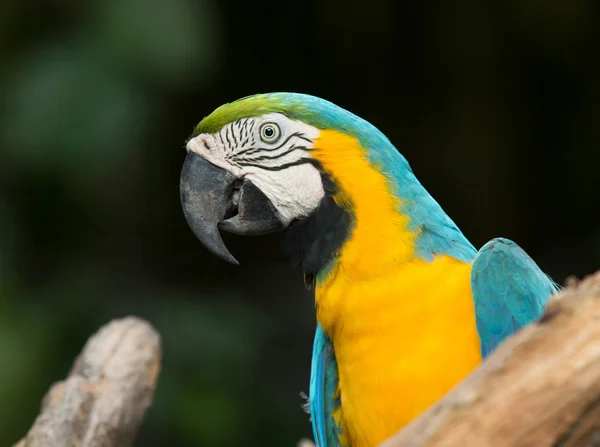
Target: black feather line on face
[(251, 150), (280, 155), (227, 132), (281, 167), (313, 242)]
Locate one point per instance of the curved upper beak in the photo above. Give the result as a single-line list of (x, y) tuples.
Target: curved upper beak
[(211, 201), (206, 193)]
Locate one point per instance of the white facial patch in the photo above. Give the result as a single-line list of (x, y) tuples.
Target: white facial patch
[(281, 169)]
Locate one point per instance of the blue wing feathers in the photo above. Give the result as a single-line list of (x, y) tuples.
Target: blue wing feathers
[(509, 289), (323, 391)]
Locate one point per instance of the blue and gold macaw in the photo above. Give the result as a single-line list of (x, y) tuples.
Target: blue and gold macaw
[(406, 307)]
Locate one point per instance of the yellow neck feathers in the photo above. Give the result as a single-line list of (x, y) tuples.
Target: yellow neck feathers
[(380, 239), (403, 328)]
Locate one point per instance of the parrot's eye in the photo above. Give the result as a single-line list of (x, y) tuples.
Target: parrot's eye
[(269, 132)]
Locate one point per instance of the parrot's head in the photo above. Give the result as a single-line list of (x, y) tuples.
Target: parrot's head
[(299, 164), (251, 170)]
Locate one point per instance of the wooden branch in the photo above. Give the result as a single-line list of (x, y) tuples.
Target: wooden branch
[(539, 388), (103, 401)]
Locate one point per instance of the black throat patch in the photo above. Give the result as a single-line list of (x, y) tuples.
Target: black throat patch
[(313, 242)]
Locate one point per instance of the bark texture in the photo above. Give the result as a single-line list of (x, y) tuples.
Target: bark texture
[(103, 401)]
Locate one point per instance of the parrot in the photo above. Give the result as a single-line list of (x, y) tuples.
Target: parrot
[(406, 307)]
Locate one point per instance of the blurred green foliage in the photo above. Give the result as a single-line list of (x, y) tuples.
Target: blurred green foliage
[(83, 101), (98, 97)]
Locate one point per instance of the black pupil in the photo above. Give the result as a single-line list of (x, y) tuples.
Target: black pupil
[(269, 132)]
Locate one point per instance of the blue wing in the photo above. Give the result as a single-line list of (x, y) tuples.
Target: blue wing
[(509, 289), (324, 399)]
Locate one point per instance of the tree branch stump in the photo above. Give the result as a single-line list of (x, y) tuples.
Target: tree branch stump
[(103, 401), (539, 388)]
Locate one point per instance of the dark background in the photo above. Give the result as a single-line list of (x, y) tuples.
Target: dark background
[(495, 104)]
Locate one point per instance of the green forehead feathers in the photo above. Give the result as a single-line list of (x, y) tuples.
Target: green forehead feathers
[(250, 106), (311, 110)]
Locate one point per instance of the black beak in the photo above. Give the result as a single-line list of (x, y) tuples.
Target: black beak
[(206, 196), (213, 198)]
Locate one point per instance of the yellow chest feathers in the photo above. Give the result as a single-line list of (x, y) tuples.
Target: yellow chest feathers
[(401, 340)]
